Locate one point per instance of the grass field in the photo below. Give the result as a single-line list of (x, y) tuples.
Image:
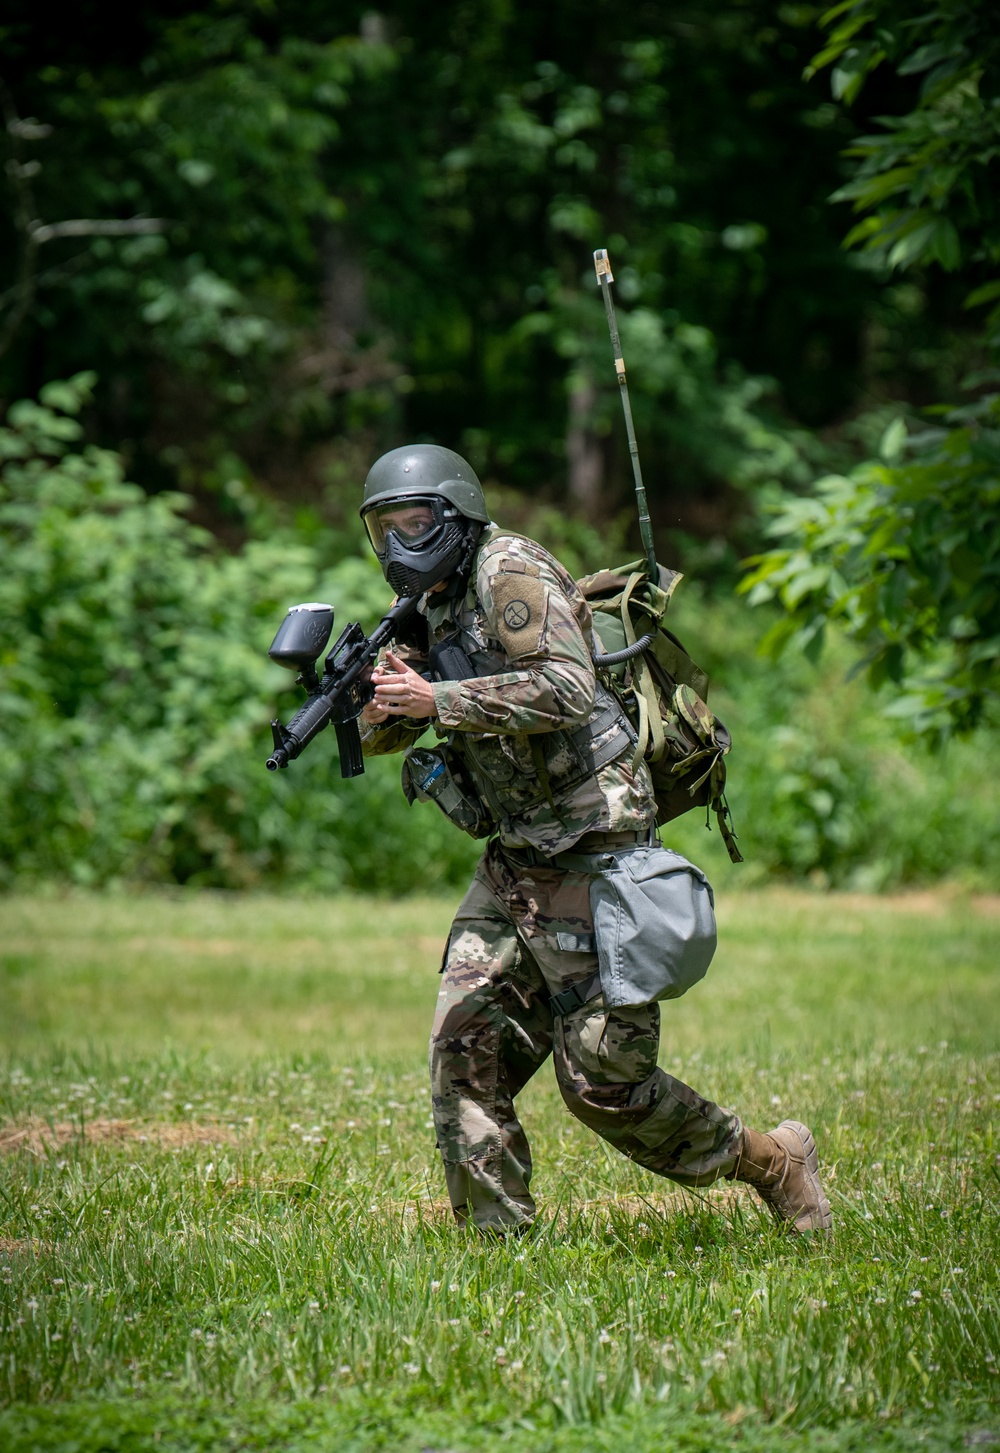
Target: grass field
[(222, 1221)]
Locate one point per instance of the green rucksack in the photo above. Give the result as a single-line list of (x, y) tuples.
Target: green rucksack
[(664, 692)]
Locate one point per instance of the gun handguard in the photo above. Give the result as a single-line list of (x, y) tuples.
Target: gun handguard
[(341, 695)]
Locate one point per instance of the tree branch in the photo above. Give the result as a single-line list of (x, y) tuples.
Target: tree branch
[(40, 232)]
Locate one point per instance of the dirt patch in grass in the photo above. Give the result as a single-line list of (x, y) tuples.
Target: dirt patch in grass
[(21, 1246), (38, 1137)]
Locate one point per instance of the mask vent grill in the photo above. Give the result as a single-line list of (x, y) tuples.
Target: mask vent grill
[(405, 581)]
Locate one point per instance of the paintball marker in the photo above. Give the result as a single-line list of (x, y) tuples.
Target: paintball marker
[(346, 684)]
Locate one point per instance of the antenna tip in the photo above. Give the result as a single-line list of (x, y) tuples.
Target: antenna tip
[(602, 265)]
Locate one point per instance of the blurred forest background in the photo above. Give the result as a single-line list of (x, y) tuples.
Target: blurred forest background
[(247, 247)]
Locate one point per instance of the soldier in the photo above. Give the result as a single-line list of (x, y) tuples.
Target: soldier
[(538, 756)]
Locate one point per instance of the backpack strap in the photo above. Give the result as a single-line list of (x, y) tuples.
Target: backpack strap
[(724, 818), (652, 740)]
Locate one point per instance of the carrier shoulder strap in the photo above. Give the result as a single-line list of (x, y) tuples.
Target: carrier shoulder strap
[(651, 738)]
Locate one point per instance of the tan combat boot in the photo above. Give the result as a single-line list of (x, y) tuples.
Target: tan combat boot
[(783, 1169)]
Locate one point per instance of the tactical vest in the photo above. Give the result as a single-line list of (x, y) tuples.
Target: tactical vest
[(513, 773)]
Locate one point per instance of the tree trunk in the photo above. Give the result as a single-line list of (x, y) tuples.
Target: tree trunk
[(584, 455), (345, 302)]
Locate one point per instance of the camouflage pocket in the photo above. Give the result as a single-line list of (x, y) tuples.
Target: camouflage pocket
[(431, 774)]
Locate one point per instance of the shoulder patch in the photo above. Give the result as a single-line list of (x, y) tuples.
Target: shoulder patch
[(519, 601)]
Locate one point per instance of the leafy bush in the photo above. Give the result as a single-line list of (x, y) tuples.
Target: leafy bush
[(135, 694), (135, 690), (904, 553), (904, 556), (823, 787)]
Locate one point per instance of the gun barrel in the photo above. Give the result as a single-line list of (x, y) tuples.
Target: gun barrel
[(308, 722)]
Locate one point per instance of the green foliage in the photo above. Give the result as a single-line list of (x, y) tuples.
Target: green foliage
[(136, 693), (354, 213), (906, 556), (136, 689), (821, 785), (687, 405), (904, 551), (928, 180)]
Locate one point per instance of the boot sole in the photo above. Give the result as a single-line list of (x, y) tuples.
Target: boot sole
[(821, 1219)]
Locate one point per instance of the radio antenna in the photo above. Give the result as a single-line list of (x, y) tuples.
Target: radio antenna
[(602, 266)]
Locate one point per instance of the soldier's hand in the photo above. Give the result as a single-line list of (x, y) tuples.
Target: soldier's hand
[(400, 691), (372, 714)]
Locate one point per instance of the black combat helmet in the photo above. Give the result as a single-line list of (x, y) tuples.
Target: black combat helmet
[(423, 509)]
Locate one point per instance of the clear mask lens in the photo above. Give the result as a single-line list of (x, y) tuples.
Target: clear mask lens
[(413, 520)]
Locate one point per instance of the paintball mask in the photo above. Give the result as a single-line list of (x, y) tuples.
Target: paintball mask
[(419, 539)]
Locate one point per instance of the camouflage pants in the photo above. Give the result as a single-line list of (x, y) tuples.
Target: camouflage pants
[(493, 1028)]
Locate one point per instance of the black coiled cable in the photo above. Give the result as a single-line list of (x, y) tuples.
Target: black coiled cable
[(615, 658)]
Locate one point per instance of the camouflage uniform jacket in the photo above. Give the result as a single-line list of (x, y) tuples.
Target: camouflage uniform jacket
[(548, 747)]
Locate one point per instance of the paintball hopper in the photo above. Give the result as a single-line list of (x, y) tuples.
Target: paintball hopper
[(302, 636)]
